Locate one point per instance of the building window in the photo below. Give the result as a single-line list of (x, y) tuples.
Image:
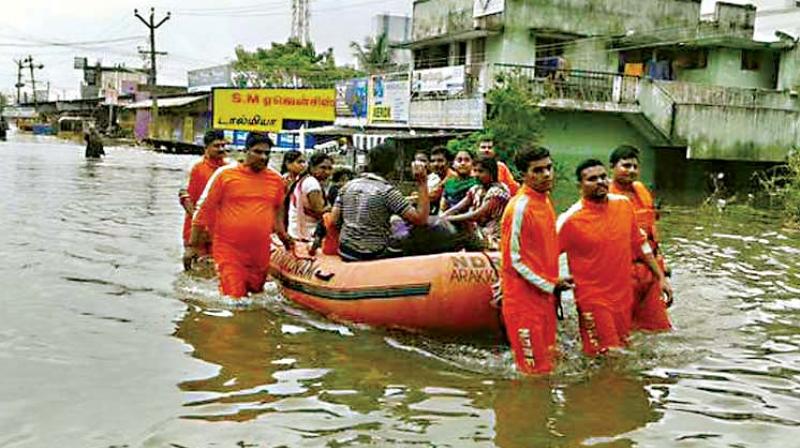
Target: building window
[(478, 51), (750, 59), (432, 57)]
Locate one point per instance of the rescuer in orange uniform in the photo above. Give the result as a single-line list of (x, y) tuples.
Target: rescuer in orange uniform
[(199, 174), (504, 176), (529, 274), (241, 206), (600, 238), (649, 310)]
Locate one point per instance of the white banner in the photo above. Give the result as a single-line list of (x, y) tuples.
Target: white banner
[(389, 100), (483, 8), (445, 79)]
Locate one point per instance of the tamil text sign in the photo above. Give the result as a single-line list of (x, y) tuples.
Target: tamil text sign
[(389, 99), (265, 109), (439, 80)]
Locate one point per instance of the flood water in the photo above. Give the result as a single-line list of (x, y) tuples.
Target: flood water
[(105, 342)]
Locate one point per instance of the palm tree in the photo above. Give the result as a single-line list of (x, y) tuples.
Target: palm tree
[(375, 55)]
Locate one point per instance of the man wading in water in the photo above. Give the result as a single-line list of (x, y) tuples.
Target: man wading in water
[(242, 205)]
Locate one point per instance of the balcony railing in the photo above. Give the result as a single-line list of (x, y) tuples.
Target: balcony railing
[(581, 85)]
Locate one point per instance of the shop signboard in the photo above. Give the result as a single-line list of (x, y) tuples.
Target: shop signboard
[(264, 110), (449, 80), (389, 99)]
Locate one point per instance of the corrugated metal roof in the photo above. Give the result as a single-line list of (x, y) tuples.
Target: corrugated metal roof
[(167, 102)]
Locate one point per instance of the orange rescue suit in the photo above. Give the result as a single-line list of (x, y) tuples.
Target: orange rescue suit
[(240, 207), (601, 239), (199, 175), (505, 177), (529, 247), (649, 311)]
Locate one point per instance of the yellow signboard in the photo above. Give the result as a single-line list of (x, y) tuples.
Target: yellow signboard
[(265, 109)]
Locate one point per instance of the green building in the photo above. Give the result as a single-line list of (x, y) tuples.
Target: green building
[(698, 94)]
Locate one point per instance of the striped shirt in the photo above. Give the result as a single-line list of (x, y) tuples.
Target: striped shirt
[(366, 204)]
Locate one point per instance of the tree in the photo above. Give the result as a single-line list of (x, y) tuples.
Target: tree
[(513, 119), (288, 65), (375, 55)]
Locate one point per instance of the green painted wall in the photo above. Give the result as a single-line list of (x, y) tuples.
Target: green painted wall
[(575, 136), (789, 75), (514, 46), (725, 69)]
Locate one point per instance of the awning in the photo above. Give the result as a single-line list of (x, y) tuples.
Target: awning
[(167, 102)]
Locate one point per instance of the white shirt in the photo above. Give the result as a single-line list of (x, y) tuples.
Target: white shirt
[(302, 225)]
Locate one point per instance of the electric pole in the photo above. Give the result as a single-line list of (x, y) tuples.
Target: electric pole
[(29, 64), (19, 84), (153, 27)]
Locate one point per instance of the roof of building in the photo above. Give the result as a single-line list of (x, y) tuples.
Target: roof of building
[(167, 102)]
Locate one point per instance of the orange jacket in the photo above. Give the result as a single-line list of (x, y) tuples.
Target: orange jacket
[(642, 201), (505, 177), (601, 240), (529, 247), (199, 175), (239, 207)]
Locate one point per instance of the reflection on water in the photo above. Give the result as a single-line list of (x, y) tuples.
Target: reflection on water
[(104, 342)]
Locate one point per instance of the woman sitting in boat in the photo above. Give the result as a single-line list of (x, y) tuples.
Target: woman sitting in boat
[(292, 166), (456, 187), (366, 204), (307, 201), (482, 208)]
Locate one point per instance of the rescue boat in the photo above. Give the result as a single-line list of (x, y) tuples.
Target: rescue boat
[(447, 293)]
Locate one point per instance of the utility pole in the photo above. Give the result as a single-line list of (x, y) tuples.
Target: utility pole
[(29, 64), (153, 27), (19, 84)]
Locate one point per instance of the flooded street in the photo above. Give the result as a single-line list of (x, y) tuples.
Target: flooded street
[(105, 342)]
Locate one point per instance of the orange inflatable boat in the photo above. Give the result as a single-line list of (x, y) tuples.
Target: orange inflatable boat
[(446, 293)]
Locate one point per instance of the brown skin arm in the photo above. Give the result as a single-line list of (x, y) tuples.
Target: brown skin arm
[(475, 215), (336, 215), (199, 236), (463, 204), (317, 203), (280, 229), (418, 216), (663, 282)]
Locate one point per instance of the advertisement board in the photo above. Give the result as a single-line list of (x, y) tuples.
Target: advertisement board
[(265, 109), (351, 98), (439, 80), (389, 99), (483, 8), (204, 79)]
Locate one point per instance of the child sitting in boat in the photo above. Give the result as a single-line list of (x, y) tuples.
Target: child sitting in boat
[(479, 213)]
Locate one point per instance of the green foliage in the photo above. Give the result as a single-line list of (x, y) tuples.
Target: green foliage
[(784, 185), (288, 65), (375, 55), (513, 119)]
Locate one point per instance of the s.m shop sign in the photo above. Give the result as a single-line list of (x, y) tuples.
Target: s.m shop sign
[(265, 109)]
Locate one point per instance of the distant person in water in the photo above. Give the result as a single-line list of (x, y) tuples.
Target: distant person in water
[(94, 144), (3, 129)]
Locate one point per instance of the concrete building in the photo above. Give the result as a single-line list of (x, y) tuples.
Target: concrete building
[(109, 82), (653, 73), (398, 30)]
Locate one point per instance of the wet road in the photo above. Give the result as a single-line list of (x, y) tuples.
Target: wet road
[(104, 342)]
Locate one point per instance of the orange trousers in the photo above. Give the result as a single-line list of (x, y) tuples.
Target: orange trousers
[(240, 273), (531, 329), (649, 311), (603, 327)]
